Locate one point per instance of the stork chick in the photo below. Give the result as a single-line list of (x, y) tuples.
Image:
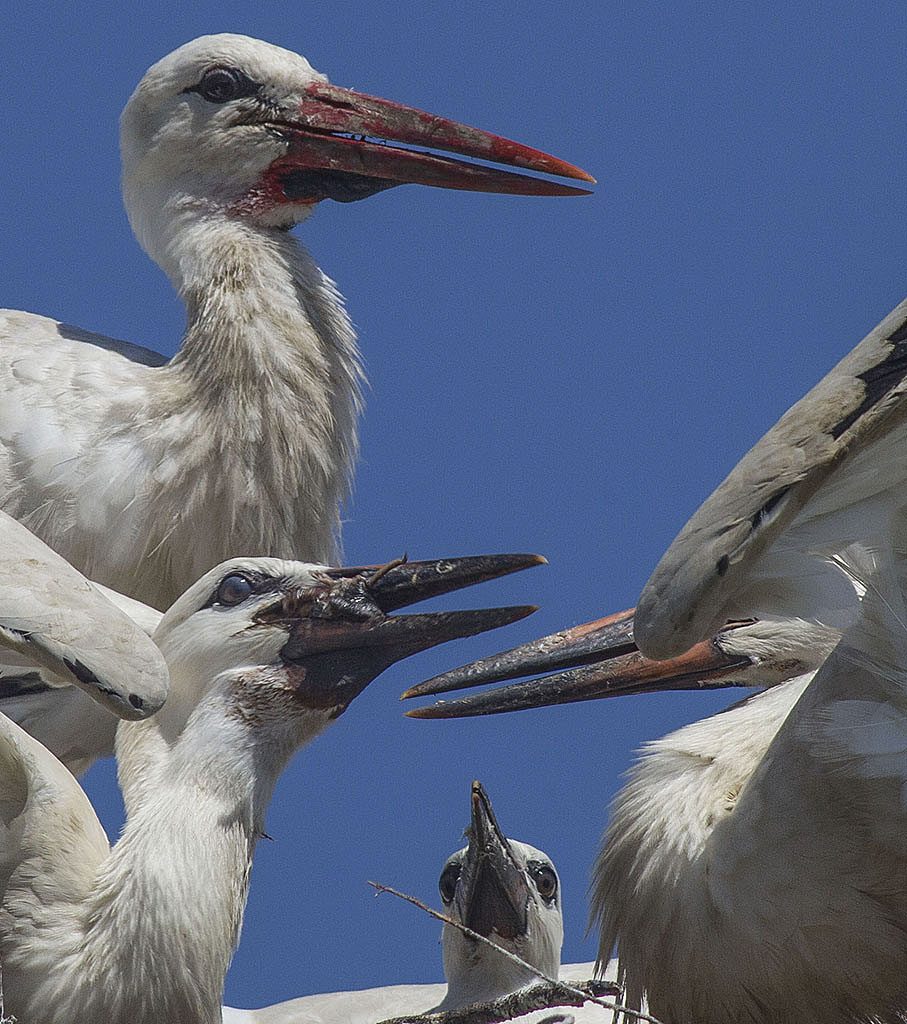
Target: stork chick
[(263, 654), (503, 889), (508, 892), (144, 474)]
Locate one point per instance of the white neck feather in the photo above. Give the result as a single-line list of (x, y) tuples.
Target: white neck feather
[(153, 937), (272, 360), (265, 387), (482, 975), (476, 973)]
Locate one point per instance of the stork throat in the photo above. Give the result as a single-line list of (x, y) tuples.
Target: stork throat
[(314, 184), (492, 908)]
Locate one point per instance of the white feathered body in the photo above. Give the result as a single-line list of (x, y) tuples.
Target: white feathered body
[(143, 476), (755, 865), (143, 932), (368, 1006)]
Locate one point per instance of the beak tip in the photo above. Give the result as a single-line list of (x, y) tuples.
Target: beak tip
[(418, 713)]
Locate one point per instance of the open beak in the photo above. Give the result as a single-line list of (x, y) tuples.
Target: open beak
[(600, 659), (492, 892), (344, 145), (342, 636)]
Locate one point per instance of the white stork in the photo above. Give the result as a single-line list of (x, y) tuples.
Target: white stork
[(145, 473), (263, 655), (73, 727), (755, 865), (501, 888)]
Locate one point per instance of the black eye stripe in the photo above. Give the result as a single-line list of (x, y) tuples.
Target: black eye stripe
[(222, 84)]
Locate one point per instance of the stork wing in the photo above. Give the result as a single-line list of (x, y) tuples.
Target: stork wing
[(365, 1006), (61, 389), (833, 456), (51, 841), (769, 842), (73, 727), (61, 630), (815, 852)]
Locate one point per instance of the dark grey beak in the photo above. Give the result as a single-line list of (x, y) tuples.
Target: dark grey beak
[(600, 660), (342, 636), (492, 894)]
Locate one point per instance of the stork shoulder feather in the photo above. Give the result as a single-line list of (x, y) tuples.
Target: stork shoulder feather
[(854, 407)]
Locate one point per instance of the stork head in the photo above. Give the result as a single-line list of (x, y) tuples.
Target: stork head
[(295, 642), (231, 124), (508, 892), (600, 659)]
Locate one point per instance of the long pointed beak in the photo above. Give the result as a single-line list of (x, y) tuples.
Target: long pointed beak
[(402, 582), (493, 893), (607, 664), (341, 145), (611, 637), (347, 638)]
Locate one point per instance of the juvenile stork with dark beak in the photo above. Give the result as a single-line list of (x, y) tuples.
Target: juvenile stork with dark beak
[(755, 864), (263, 654), (145, 473), (507, 891)]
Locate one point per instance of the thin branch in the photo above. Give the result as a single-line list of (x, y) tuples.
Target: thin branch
[(574, 990), (524, 1000)]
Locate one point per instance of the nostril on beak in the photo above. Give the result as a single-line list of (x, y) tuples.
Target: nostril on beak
[(136, 701)]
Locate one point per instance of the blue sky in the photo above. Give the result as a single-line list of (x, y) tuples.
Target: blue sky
[(564, 376)]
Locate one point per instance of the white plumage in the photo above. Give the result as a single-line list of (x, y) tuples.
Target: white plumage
[(145, 475), (263, 655), (371, 1005), (60, 630), (506, 890), (755, 865)]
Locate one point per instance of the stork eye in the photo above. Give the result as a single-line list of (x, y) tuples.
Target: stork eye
[(447, 883), (233, 590), (545, 881), (220, 85)]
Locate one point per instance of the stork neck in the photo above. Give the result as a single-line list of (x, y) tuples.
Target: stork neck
[(477, 974), (260, 312), (483, 982), (266, 386), (164, 915)]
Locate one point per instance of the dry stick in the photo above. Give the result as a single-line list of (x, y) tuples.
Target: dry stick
[(560, 986), (516, 1004)]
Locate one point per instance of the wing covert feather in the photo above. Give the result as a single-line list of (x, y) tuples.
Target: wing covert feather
[(50, 614), (848, 417)]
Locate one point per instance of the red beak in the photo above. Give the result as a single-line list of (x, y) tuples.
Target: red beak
[(340, 147)]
